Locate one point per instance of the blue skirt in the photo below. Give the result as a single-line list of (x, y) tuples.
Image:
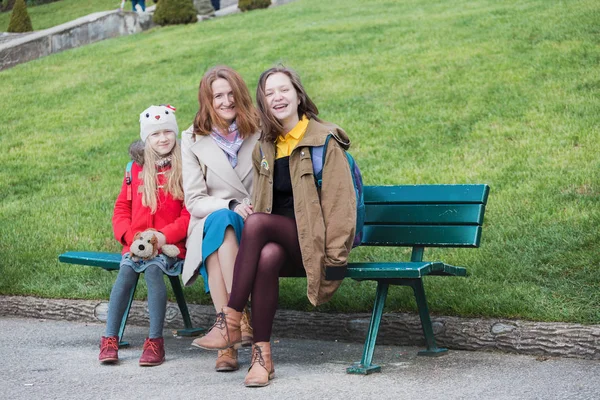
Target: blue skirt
[(170, 266), (214, 233)]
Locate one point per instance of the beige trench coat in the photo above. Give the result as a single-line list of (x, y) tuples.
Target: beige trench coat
[(210, 184), (325, 223)]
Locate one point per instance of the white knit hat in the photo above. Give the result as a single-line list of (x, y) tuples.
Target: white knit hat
[(157, 118)]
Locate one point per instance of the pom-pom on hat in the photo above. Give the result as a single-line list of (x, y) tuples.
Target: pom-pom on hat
[(157, 118)]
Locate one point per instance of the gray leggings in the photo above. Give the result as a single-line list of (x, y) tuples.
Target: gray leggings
[(119, 296)]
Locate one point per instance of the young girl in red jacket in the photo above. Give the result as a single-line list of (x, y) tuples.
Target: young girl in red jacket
[(152, 200)]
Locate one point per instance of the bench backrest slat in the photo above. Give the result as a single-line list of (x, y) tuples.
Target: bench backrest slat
[(431, 194), (420, 235), (424, 215)]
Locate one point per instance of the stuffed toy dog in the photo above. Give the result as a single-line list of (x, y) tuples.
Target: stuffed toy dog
[(145, 247)]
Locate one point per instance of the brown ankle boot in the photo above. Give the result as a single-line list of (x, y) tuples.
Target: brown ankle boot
[(247, 333), (227, 360), (261, 367), (225, 333)]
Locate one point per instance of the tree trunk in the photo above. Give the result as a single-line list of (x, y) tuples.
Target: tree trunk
[(514, 336)]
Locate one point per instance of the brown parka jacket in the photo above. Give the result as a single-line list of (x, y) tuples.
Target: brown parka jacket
[(325, 222)]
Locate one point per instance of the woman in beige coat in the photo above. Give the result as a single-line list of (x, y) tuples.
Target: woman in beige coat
[(295, 229), (217, 181)]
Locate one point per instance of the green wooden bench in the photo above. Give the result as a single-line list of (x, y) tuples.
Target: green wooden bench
[(110, 262), (417, 216)]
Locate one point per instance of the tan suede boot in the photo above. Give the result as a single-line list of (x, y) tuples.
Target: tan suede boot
[(247, 332), (261, 369), (225, 333), (227, 360)]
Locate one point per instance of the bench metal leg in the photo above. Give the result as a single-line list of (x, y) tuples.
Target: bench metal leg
[(187, 321), (126, 315), (364, 367), (432, 349)]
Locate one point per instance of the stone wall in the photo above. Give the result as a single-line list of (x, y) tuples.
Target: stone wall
[(17, 49)]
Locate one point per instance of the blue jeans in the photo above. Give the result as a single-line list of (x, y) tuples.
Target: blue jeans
[(142, 4), (216, 4)]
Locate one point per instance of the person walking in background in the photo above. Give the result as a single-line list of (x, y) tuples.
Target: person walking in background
[(151, 199), (217, 181), (295, 229), (216, 4), (141, 3)]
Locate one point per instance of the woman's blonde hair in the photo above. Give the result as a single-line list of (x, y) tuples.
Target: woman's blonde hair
[(173, 183)]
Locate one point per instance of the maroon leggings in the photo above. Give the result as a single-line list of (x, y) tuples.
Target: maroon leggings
[(269, 242)]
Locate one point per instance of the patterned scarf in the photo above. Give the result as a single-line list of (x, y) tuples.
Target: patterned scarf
[(164, 161), (230, 148)]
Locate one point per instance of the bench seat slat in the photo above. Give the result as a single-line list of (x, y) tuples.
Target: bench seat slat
[(111, 262), (425, 236), (403, 270), (427, 194), (429, 214), (107, 261)]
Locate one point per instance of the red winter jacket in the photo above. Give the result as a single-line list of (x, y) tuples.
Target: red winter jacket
[(130, 216)]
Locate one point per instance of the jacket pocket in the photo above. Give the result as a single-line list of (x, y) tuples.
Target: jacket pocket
[(305, 166)]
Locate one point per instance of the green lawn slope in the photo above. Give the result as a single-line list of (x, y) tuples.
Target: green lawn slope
[(430, 91), (51, 14)]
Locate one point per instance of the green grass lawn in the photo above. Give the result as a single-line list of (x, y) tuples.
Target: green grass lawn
[(48, 15), (430, 91)]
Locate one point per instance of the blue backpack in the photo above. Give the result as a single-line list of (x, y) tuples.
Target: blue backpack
[(317, 155)]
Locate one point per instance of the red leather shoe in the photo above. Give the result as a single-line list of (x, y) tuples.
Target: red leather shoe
[(109, 350), (154, 352)]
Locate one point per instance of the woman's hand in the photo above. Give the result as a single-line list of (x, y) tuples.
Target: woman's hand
[(243, 210)]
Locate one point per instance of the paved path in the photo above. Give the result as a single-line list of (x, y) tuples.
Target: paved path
[(44, 359)]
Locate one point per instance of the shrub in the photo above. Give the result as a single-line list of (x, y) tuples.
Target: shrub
[(172, 12), (247, 5), (7, 5), (19, 19)]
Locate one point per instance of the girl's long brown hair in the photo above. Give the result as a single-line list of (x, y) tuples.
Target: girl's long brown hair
[(271, 126), (247, 118)]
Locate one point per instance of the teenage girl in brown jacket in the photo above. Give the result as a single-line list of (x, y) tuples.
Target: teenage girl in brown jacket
[(294, 230)]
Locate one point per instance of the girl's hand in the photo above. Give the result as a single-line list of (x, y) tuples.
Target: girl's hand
[(243, 210)]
